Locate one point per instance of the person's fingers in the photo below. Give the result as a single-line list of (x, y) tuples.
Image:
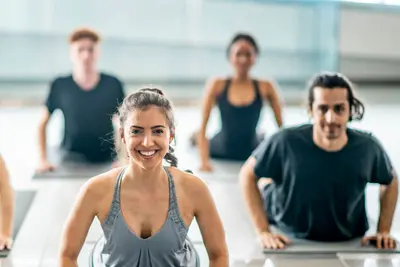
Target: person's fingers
[(390, 243), (279, 243), (379, 240), (274, 245), (385, 241), (266, 243), (394, 243), (366, 239), (9, 243), (284, 239)]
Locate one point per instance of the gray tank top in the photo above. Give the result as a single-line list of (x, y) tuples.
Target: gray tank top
[(121, 247)]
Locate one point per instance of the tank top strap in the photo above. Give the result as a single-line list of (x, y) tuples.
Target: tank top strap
[(173, 211), (115, 204), (256, 85), (226, 88)]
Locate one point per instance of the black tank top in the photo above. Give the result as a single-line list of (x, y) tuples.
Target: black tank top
[(239, 123)]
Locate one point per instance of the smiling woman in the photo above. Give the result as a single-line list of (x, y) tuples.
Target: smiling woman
[(145, 209), (145, 100)]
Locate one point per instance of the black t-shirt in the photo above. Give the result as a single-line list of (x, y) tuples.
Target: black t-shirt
[(317, 194), (88, 114)]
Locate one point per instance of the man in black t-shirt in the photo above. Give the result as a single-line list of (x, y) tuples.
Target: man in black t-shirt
[(309, 181), (88, 99)]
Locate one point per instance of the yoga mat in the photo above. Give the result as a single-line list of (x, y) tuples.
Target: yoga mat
[(23, 201), (69, 165), (300, 246), (310, 247), (285, 261), (303, 246), (371, 262)]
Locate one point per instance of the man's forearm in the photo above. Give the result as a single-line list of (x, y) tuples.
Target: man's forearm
[(388, 200), (278, 116), (254, 204), (7, 212), (42, 142)]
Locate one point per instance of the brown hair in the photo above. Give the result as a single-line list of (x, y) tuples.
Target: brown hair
[(83, 33), (142, 100)]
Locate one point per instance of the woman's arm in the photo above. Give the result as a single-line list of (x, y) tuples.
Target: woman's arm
[(210, 224), (7, 207), (272, 96), (208, 103), (78, 224)]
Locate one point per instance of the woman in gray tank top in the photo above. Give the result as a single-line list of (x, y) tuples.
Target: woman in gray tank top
[(145, 209)]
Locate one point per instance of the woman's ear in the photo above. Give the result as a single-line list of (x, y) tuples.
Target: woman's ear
[(122, 135), (172, 136)]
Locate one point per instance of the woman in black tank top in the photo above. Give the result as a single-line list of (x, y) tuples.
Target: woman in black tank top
[(240, 100)]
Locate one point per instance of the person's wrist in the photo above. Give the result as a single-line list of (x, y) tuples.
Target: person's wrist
[(6, 236), (263, 231)]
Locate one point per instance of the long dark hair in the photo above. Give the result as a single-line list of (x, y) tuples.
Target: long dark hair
[(337, 80)]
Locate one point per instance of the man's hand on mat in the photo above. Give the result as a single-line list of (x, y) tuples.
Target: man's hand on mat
[(206, 167), (45, 166), (380, 240), (5, 242), (273, 241)]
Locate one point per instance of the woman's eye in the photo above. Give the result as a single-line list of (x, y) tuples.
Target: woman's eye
[(158, 131), (135, 132)]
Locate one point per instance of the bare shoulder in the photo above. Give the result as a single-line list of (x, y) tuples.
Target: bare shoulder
[(215, 85), (99, 187), (190, 183), (268, 87)]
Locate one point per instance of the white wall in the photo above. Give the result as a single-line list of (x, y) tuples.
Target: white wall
[(371, 33), (163, 38), (187, 39), (370, 43)]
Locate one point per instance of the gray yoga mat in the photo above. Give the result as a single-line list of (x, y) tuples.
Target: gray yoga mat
[(290, 261), (69, 165), (310, 247), (23, 201), (371, 262), (303, 246)]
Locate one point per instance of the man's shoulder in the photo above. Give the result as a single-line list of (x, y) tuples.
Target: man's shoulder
[(293, 132), (60, 79), (110, 77), (363, 137)]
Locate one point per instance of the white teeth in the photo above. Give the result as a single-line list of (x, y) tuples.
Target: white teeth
[(147, 153)]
